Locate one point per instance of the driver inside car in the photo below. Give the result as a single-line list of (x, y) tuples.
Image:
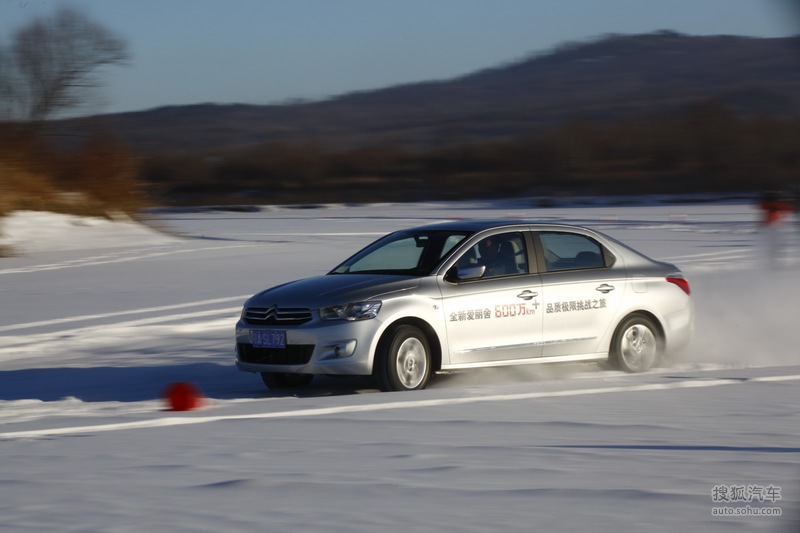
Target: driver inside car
[(496, 256)]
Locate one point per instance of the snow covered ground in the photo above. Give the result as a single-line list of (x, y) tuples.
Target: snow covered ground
[(98, 318)]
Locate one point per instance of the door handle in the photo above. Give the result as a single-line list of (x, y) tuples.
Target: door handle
[(605, 288), (527, 295)]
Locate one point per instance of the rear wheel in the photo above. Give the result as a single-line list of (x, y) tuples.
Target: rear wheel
[(635, 346), (403, 362), (278, 380)]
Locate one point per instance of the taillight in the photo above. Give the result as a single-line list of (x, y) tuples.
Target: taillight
[(681, 282)]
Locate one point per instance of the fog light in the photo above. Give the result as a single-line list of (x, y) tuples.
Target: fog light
[(343, 349)]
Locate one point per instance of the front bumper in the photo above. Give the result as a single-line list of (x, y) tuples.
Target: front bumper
[(317, 347)]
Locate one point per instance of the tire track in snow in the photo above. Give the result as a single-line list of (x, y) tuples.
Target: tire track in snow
[(128, 255), (140, 311)]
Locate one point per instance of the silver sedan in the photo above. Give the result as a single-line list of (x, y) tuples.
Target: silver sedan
[(468, 294)]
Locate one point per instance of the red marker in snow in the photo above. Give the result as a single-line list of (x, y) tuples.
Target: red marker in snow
[(183, 397)]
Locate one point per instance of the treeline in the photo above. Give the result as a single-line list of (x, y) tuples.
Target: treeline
[(705, 148)]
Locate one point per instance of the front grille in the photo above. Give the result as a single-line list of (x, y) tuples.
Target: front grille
[(287, 316), (293, 354)]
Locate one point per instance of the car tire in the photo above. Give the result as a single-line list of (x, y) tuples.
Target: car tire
[(403, 360), (636, 344), (278, 380)]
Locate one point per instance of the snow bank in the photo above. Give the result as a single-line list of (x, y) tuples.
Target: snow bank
[(33, 231)]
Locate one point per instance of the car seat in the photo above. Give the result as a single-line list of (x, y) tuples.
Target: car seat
[(588, 260)]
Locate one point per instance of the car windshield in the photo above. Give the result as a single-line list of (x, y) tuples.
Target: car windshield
[(406, 253)]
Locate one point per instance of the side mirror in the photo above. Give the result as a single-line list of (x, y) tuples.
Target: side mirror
[(465, 274)]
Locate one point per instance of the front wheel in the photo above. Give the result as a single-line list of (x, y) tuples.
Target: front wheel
[(403, 362), (277, 380), (635, 346)]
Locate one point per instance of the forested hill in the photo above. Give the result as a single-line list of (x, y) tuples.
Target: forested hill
[(611, 78)]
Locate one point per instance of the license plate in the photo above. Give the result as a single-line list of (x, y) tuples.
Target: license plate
[(268, 339)]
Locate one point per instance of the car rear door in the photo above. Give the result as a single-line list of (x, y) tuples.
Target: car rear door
[(582, 291)]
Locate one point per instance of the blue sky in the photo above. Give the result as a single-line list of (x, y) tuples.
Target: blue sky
[(269, 51)]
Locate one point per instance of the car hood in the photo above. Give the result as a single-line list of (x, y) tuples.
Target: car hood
[(332, 289)]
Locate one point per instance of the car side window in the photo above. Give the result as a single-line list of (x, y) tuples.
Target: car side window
[(502, 255), (570, 251)]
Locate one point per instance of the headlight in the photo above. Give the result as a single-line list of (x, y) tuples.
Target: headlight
[(351, 312)]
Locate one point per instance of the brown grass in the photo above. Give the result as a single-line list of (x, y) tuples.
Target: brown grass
[(97, 178)]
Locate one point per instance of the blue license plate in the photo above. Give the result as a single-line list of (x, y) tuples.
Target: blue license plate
[(268, 339)]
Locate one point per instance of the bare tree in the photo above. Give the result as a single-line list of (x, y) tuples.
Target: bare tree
[(55, 62), (7, 91)]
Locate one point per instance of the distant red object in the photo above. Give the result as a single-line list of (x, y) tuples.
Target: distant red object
[(776, 209), (184, 397)]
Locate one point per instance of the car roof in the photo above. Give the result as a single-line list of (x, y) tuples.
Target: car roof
[(476, 225)]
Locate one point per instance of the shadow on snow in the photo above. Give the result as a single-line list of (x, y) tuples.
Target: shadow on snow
[(135, 384)]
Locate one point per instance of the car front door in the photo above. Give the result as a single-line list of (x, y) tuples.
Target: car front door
[(581, 293), (493, 308)]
